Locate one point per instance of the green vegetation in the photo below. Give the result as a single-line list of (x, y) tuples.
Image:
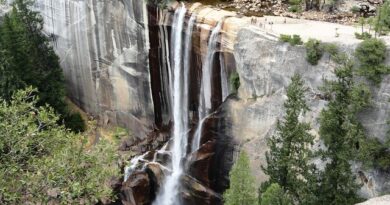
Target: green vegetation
[(275, 195), (234, 81), (382, 20), (27, 59), (363, 36), (355, 9), (288, 159), (342, 134), (242, 189), (293, 40), (314, 51), (42, 163), (371, 54)]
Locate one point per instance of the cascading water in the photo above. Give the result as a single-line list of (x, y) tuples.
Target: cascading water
[(205, 90), (168, 193)]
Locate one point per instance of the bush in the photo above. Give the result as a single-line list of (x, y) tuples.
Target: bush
[(293, 40), (355, 9), (314, 51), (363, 36), (43, 163), (294, 8), (285, 38), (371, 54), (235, 81), (75, 122)]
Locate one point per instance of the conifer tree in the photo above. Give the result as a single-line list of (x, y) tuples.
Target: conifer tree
[(342, 135), (288, 159), (242, 190), (275, 195), (31, 60)]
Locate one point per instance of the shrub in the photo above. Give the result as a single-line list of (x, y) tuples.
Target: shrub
[(314, 51), (355, 9), (371, 54), (235, 81), (75, 122), (331, 48), (296, 40), (293, 40), (285, 38), (363, 36), (294, 8)]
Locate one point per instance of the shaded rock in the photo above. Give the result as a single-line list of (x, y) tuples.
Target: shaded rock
[(194, 193), (137, 190), (201, 161)]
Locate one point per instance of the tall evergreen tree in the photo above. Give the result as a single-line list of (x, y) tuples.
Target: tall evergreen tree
[(242, 190), (288, 159), (342, 135), (30, 58)]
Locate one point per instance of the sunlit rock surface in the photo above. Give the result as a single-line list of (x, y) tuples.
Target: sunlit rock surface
[(103, 46), (265, 67)]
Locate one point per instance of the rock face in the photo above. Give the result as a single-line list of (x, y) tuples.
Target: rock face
[(265, 68), (383, 200), (103, 46)]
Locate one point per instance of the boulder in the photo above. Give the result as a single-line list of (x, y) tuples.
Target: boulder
[(194, 193), (137, 190)]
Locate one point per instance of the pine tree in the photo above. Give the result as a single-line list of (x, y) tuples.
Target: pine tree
[(30, 58), (275, 195), (342, 135), (242, 190), (288, 159)]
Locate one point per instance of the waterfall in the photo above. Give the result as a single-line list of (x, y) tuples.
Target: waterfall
[(205, 90), (169, 192)]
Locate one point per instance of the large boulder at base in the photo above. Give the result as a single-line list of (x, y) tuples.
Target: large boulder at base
[(136, 190), (194, 193)]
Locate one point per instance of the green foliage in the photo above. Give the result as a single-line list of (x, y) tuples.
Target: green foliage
[(371, 54), (288, 159), (314, 51), (234, 81), (294, 8), (75, 122), (242, 189), (27, 59), (382, 21), (293, 40), (374, 154), (363, 36), (355, 9), (43, 163), (275, 195), (342, 134)]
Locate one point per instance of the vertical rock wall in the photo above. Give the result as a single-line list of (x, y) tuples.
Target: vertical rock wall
[(103, 47)]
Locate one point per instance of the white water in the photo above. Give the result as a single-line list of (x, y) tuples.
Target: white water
[(133, 165), (169, 192), (205, 90)]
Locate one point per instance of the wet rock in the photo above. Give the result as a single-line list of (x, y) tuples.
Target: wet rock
[(194, 193), (137, 190), (201, 161)]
